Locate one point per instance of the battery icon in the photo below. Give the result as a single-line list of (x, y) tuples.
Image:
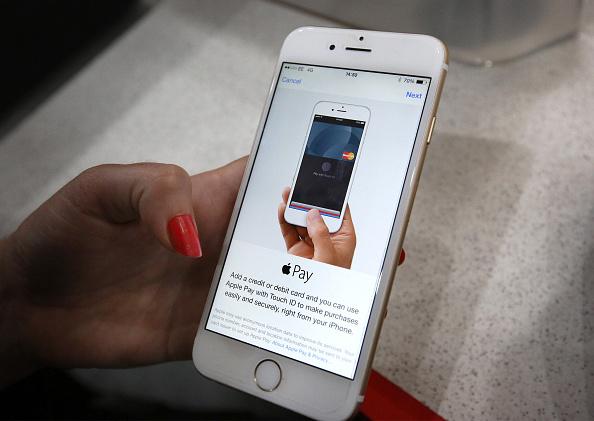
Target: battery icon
[(420, 81)]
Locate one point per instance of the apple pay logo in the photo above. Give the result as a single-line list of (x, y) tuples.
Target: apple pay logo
[(297, 271)]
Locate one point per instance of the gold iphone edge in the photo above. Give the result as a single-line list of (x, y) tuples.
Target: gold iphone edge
[(393, 251)]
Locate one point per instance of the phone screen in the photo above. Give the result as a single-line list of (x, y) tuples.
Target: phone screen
[(327, 164), (309, 297)]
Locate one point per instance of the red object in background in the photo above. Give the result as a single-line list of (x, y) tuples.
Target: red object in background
[(386, 401)]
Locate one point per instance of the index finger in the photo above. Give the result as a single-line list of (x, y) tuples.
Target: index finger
[(347, 227)]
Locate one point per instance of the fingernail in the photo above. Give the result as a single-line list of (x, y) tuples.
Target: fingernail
[(184, 235), (402, 257)]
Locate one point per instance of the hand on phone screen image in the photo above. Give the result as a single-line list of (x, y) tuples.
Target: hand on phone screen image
[(315, 241), (328, 163)]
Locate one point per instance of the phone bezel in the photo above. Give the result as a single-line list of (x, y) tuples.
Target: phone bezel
[(354, 112), (307, 389)]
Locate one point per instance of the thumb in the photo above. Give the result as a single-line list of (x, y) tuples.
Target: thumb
[(320, 237), (159, 195)]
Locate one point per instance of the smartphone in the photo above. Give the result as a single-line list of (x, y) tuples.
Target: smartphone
[(293, 318), (328, 162)]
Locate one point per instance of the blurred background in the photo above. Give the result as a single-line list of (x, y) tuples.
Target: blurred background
[(492, 315)]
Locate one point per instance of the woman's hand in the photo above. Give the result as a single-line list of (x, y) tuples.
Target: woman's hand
[(92, 277), (315, 242)]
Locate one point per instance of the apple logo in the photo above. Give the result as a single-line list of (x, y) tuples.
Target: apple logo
[(286, 269)]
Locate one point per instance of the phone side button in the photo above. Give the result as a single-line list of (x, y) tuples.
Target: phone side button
[(268, 375), (431, 130)]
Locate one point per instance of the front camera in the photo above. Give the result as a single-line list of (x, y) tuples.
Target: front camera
[(361, 38), (332, 47)]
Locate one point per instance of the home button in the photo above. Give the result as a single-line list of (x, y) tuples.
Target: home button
[(268, 375)]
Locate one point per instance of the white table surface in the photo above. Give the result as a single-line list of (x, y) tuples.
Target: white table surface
[(492, 315)]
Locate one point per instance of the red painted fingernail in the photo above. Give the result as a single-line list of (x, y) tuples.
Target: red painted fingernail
[(184, 235), (402, 257)]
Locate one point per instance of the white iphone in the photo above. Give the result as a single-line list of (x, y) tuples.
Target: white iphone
[(294, 314), (328, 162)]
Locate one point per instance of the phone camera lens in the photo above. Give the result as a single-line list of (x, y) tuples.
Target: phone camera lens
[(361, 38), (332, 47)]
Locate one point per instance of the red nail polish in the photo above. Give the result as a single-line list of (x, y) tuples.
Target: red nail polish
[(402, 257), (184, 235)]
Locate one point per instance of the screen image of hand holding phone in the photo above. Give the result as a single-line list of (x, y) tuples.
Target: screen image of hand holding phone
[(301, 272), (328, 164)]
